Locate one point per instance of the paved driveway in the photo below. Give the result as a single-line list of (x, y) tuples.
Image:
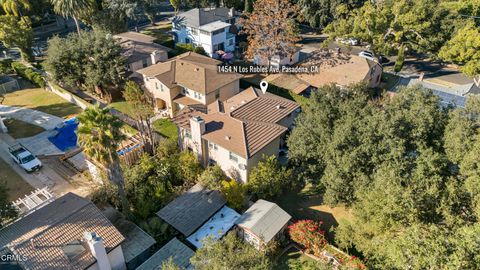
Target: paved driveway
[(44, 120)]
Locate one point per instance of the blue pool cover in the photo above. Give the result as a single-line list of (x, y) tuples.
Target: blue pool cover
[(66, 137)]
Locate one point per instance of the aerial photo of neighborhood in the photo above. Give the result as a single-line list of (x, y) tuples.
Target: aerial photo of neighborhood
[(239, 134)]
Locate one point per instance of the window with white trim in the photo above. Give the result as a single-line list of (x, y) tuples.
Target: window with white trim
[(233, 157)]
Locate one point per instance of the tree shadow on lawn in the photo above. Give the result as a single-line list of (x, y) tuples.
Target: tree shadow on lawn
[(64, 110), (308, 204)]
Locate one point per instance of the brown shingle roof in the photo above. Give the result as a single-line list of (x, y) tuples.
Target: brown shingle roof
[(41, 235), (265, 108), (192, 70)]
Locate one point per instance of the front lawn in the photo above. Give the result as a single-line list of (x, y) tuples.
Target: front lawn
[(19, 129), (308, 204), (15, 184), (41, 100), (166, 128), (160, 33)]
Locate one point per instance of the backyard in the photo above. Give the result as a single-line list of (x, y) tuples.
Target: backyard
[(293, 259), (166, 128), (308, 204), (16, 186), (41, 100)]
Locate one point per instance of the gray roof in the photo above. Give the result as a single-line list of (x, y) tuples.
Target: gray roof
[(190, 210), (265, 219), (136, 241), (197, 17), (41, 235), (175, 249)]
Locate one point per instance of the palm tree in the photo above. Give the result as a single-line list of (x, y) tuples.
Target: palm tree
[(72, 8), (99, 134), (14, 7)]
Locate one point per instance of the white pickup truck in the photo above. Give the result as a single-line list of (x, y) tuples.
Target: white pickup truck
[(24, 158)]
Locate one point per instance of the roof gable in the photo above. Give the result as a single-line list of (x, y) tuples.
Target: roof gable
[(265, 219)]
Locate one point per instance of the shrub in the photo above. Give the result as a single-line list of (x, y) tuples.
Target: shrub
[(28, 74), (400, 60), (308, 234), (268, 178), (212, 177), (234, 193), (6, 66)]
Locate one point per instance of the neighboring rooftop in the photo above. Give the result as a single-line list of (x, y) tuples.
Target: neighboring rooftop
[(44, 235), (265, 219), (174, 249), (191, 209), (137, 46), (200, 16), (288, 81), (340, 69), (216, 227), (191, 70)]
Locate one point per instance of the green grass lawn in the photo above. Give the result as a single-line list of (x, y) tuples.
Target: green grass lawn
[(15, 184), (122, 106), (308, 204), (160, 33), (41, 100), (19, 129), (166, 128), (294, 259)]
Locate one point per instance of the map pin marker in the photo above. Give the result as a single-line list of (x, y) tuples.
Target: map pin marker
[(264, 86)]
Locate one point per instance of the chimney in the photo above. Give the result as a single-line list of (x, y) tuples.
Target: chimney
[(156, 57), (197, 128), (421, 76), (97, 248)]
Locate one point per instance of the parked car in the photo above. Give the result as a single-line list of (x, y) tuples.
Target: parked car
[(367, 54), (24, 158), (348, 41)]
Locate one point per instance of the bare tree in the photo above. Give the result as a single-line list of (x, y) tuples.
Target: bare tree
[(271, 29)]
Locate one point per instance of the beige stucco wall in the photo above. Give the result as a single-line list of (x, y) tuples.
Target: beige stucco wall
[(268, 150), (160, 91), (222, 157), (225, 92)]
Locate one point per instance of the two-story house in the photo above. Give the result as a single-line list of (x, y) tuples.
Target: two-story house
[(208, 28), (189, 79), (236, 134)]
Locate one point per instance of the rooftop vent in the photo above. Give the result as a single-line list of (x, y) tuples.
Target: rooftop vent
[(227, 138), (197, 69), (279, 107)]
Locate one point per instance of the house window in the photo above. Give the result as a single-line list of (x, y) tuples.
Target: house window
[(188, 134), (204, 32), (197, 95), (230, 41), (185, 91), (161, 87), (212, 146), (217, 94), (219, 46), (219, 31), (145, 62), (156, 85), (194, 31), (233, 157)]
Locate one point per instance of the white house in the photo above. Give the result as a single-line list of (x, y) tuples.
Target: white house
[(208, 28)]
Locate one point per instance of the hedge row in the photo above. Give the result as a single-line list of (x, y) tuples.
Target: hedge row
[(6, 66), (29, 74)]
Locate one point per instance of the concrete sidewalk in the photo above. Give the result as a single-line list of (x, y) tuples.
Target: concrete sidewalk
[(44, 120)]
